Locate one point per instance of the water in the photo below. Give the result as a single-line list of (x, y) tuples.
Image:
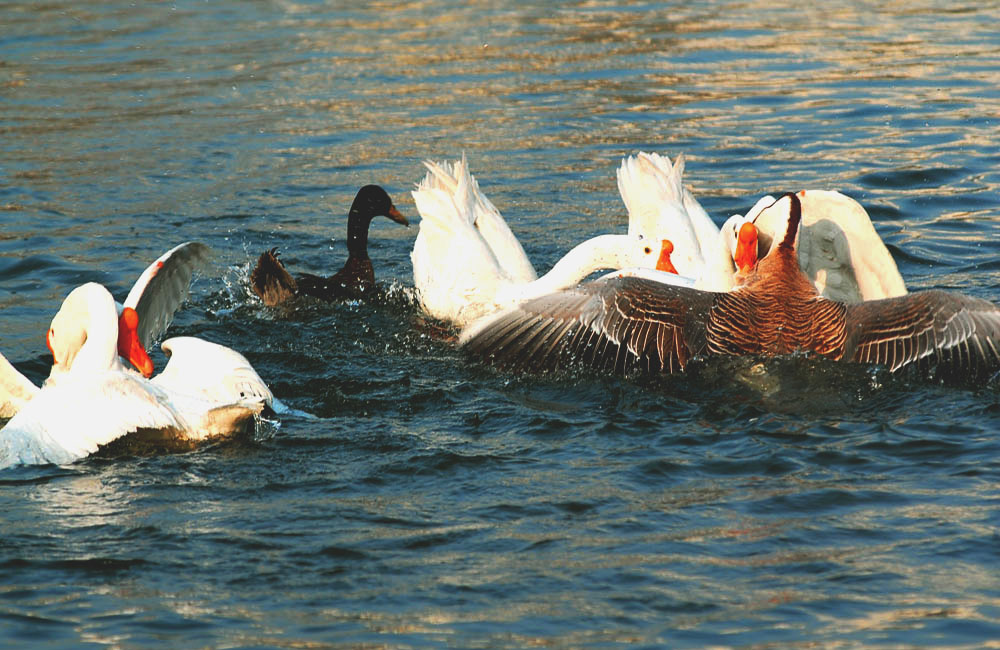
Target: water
[(435, 502)]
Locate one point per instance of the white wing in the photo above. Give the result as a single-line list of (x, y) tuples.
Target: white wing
[(163, 286), (16, 390), (70, 418), (455, 178), (455, 271), (211, 372), (652, 190)]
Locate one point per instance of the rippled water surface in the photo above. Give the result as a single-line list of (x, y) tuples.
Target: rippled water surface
[(435, 502)]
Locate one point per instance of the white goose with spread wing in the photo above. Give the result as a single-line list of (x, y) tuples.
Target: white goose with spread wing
[(91, 399), (152, 301)]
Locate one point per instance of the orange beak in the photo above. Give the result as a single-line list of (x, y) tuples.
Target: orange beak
[(397, 216), (129, 345), (746, 248), (663, 263)]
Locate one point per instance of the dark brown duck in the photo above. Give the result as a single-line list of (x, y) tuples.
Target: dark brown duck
[(275, 285)]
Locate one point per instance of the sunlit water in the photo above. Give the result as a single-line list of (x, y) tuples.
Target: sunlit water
[(435, 502)]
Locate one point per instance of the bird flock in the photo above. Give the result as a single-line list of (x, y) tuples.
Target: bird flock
[(800, 273)]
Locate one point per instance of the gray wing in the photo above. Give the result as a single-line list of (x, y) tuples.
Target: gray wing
[(163, 286), (616, 323), (952, 333)]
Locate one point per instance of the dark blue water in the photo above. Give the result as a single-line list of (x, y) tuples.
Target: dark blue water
[(438, 503)]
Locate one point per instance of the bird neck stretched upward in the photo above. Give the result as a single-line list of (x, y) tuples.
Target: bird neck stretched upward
[(357, 233)]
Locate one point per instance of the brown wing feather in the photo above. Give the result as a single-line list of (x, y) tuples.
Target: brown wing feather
[(611, 324), (951, 332), (270, 281)]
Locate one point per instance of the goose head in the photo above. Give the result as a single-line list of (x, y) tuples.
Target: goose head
[(741, 239), (87, 334), (129, 345), (772, 221)]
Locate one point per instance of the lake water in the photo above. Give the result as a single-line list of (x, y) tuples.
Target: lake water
[(435, 502)]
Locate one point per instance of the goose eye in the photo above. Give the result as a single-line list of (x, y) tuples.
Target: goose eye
[(648, 250)]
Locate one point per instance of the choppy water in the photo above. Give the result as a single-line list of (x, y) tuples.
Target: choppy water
[(439, 503)]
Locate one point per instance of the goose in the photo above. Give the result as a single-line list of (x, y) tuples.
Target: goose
[(95, 400), (275, 285), (625, 323), (838, 248), (148, 310), (660, 206), (468, 263)]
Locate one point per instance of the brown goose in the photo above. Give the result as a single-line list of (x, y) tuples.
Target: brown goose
[(275, 285), (623, 323)]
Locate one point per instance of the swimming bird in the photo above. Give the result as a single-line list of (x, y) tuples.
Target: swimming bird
[(275, 285), (91, 399), (467, 262), (144, 315), (624, 323)]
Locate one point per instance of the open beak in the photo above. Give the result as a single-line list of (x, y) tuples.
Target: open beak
[(129, 345), (745, 256), (663, 263), (396, 216)]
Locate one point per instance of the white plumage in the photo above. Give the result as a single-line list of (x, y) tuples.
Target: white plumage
[(95, 399), (468, 263)]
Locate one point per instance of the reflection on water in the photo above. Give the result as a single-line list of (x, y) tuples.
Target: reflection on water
[(779, 503)]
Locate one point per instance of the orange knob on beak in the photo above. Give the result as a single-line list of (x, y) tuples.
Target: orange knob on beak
[(664, 263), (129, 345), (746, 248)]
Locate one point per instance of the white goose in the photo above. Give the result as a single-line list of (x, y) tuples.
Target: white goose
[(94, 399), (153, 300), (838, 248), (467, 262), (660, 206)]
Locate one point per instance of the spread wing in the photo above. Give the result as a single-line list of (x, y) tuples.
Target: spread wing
[(618, 323), (163, 286), (953, 333)]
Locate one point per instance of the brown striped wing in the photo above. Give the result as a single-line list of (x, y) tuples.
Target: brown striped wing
[(619, 324), (956, 334)]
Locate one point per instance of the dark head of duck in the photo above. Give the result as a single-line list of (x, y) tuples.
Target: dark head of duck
[(371, 201)]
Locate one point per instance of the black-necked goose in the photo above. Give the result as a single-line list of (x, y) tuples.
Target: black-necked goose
[(275, 285), (629, 322)]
